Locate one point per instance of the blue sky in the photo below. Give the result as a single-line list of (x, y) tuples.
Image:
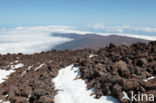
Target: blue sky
[(77, 12)]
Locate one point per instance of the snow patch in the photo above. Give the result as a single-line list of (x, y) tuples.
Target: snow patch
[(24, 72), (92, 55), (150, 78), (1, 101), (16, 66), (14, 62), (50, 61), (5, 73), (75, 90), (40, 66), (28, 97)]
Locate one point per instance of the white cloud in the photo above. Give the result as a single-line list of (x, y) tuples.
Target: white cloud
[(131, 35), (146, 29), (114, 29), (33, 39), (52, 29), (38, 38), (123, 28), (30, 39), (3, 29), (99, 26)]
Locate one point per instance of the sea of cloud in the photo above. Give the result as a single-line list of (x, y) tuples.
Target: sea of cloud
[(29, 40), (125, 28), (36, 39)]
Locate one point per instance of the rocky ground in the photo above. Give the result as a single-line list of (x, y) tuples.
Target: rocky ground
[(110, 71), (32, 83), (115, 69)]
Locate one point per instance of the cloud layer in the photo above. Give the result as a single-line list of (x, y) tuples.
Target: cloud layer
[(124, 29), (30, 40)]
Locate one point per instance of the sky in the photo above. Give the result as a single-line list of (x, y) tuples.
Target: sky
[(15, 13), (26, 25)]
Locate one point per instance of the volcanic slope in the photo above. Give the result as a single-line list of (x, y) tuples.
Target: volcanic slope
[(94, 41), (106, 72)]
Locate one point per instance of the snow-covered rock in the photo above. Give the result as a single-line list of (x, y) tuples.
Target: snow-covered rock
[(73, 90), (5, 73)]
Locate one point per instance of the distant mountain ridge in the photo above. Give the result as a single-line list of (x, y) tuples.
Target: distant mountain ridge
[(94, 41)]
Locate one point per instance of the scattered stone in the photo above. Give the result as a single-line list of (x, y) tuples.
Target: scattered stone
[(113, 70), (125, 69)]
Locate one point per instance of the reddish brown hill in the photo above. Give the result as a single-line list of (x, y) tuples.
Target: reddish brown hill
[(94, 41)]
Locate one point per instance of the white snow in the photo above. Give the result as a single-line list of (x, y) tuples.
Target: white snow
[(28, 97), (150, 78), (6, 102), (1, 101), (23, 73), (5, 73), (74, 90), (39, 66), (92, 55), (16, 66), (14, 62), (50, 61)]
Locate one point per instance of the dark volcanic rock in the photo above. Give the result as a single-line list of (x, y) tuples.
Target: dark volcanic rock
[(111, 71), (125, 69), (33, 82)]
